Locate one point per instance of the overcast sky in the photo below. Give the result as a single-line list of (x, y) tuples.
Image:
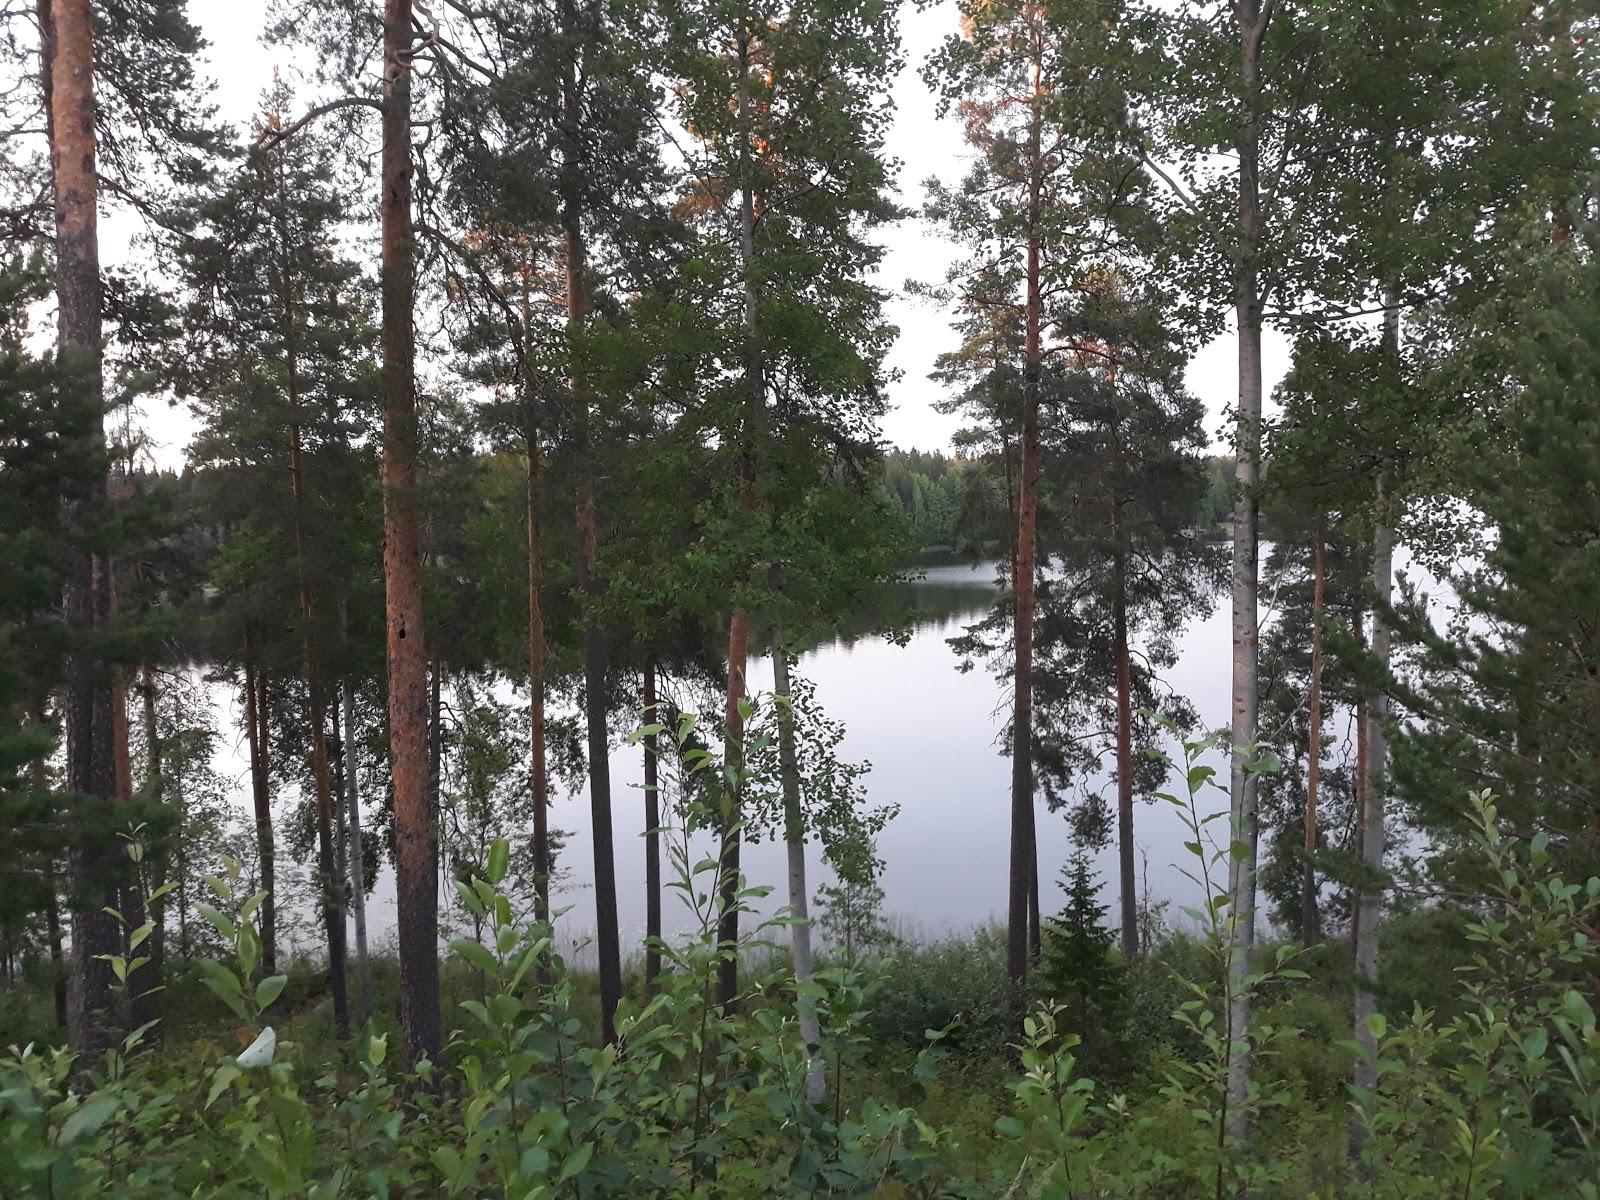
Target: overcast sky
[(241, 68)]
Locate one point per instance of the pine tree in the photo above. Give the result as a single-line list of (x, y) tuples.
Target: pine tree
[(774, 96), (280, 368)]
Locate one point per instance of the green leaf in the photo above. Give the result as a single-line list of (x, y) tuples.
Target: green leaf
[(93, 1113), (576, 1161), (474, 952), (218, 922), (1008, 1127), (448, 1163), (499, 860), (269, 989)]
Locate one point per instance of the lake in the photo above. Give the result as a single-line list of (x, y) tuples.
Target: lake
[(932, 735)]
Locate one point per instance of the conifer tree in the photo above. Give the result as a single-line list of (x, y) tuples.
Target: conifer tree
[(774, 96), (1043, 208), (280, 370)]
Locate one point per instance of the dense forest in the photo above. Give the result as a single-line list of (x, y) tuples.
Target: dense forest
[(531, 360)]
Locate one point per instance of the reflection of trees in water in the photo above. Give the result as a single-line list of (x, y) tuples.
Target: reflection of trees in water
[(945, 598)]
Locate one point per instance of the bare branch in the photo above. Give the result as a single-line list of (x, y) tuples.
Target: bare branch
[(276, 137)]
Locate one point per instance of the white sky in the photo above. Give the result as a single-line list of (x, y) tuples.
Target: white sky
[(241, 68)]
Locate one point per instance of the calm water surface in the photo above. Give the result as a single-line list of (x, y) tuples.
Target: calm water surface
[(932, 736)]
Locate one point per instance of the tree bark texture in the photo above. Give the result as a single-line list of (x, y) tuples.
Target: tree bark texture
[(69, 85), (1251, 19), (416, 882)]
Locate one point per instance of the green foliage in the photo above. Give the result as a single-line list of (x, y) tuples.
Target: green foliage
[(1080, 972), (953, 983), (1501, 1100)]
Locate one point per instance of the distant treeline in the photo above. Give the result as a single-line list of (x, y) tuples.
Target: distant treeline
[(949, 502)]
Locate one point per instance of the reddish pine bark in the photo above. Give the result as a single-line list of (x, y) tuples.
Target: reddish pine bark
[(68, 82), (416, 885)]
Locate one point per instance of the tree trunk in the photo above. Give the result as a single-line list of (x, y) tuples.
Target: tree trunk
[(1024, 851), (652, 837), (38, 780), (1309, 932), (330, 880), (416, 883), (1119, 626), (68, 69), (539, 778), (1252, 21), (739, 618), (1369, 903), (358, 864), (255, 719), (794, 840), (435, 750), (607, 936), (1035, 922)]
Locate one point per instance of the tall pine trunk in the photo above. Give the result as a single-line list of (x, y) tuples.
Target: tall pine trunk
[(67, 49), (257, 726), (607, 935), (1251, 19), (1119, 623), (416, 883), (652, 836), (1024, 851), (330, 880), (1309, 931), (794, 841)]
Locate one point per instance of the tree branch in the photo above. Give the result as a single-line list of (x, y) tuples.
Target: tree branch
[(276, 137)]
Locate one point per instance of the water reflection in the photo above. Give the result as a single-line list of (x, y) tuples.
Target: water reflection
[(932, 737)]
